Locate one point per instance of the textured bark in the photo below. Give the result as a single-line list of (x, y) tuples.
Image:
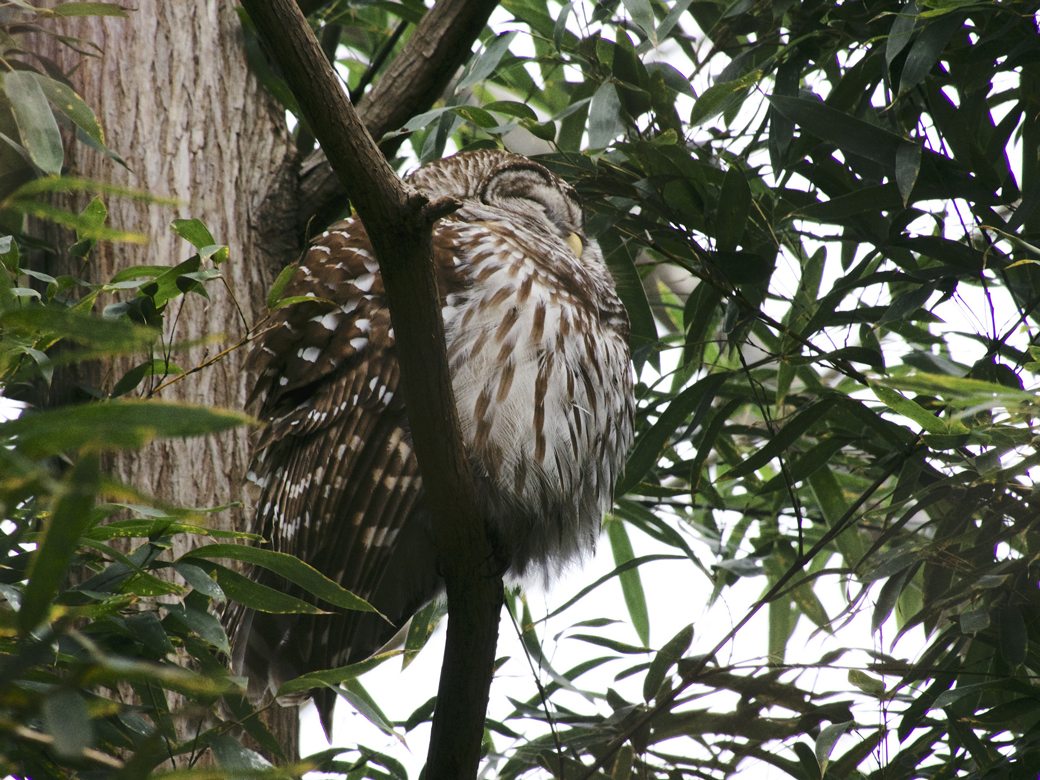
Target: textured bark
[(178, 103)]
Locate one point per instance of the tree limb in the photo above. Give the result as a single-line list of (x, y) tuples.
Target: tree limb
[(411, 84), (399, 223)]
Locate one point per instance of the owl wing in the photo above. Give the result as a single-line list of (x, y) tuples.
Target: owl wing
[(340, 485)]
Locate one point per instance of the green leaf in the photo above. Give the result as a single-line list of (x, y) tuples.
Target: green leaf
[(161, 525), (421, 628), (900, 32), (782, 620), (330, 678), (68, 722), (733, 210), (643, 15), (512, 108), (36, 126), (355, 694), (926, 50), (782, 439), (235, 757), (722, 96), (605, 124), (93, 218), (64, 99), (197, 619), (908, 166), (113, 425), (864, 682), (257, 596), (915, 412), (9, 253), (53, 184), (50, 324), (1014, 637), (619, 257), (131, 379), (485, 64), (647, 450), (194, 232), (89, 9), (199, 580), (667, 657), (631, 583), (833, 504), (70, 516), (60, 216), (289, 567)]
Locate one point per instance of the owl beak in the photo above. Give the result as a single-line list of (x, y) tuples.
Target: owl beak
[(575, 243)]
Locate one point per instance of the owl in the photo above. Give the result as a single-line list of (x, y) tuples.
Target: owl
[(537, 344)]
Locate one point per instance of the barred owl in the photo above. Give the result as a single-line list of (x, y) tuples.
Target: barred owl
[(537, 346)]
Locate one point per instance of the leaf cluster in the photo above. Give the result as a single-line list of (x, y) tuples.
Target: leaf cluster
[(817, 220)]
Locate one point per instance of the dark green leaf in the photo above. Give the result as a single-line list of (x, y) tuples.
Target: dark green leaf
[(648, 448), (782, 439), (722, 97), (293, 569), (70, 516), (734, 208), (257, 596), (926, 50), (66, 718), (908, 166), (1014, 638), (631, 583), (667, 657)]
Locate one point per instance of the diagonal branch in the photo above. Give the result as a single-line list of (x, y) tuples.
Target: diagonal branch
[(399, 223), (411, 84)]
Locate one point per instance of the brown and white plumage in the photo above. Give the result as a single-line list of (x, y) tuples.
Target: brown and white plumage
[(537, 345)]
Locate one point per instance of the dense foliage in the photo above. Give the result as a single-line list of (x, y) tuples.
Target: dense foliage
[(823, 219)]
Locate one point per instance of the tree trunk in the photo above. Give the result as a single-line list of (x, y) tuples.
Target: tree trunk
[(173, 92)]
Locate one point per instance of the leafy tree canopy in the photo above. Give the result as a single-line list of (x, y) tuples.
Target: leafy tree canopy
[(823, 219)]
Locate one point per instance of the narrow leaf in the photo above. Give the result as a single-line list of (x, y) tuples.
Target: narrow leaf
[(782, 440), (293, 569), (113, 425), (36, 126), (194, 232), (733, 209), (68, 722), (667, 657), (69, 518), (630, 580), (605, 123)]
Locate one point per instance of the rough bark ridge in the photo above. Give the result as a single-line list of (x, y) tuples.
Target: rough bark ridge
[(177, 101)]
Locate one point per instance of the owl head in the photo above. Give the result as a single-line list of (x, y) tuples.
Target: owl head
[(516, 188)]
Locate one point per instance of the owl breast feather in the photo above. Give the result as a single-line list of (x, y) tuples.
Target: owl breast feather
[(542, 383)]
